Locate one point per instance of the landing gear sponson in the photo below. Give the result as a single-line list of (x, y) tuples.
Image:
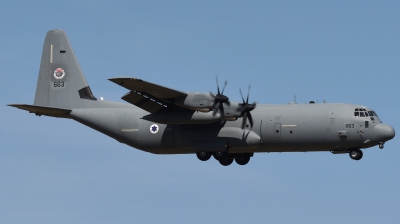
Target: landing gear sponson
[(224, 158)]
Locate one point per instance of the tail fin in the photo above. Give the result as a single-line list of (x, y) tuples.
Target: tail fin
[(61, 83)]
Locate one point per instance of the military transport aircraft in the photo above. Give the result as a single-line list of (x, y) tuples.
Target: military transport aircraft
[(162, 120)]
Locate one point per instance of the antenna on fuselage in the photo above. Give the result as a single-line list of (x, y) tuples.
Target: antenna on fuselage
[(295, 99)]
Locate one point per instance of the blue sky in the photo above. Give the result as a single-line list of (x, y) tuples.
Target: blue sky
[(58, 171)]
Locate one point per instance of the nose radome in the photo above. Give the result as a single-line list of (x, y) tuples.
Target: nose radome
[(383, 132)]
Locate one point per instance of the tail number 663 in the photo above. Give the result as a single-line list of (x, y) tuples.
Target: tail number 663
[(59, 84)]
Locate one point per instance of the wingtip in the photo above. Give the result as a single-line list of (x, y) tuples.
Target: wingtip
[(14, 105)]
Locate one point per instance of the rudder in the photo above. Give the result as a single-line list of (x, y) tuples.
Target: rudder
[(61, 82)]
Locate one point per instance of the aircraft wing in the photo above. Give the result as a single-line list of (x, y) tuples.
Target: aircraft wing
[(148, 96)]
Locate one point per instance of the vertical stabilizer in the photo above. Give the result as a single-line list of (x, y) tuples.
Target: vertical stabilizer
[(61, 82)]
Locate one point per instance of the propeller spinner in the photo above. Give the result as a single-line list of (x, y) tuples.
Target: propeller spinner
[(245, 109), (219, 100)]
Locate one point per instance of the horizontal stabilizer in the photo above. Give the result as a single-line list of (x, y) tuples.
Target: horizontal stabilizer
[(39, 110)]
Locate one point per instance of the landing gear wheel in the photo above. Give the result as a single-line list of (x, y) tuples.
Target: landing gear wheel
[(381, 145), (220, 155), (203, 156), (226, 162), (356, 154), (242, 159)]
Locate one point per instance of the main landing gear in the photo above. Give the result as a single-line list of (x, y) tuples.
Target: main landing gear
[(356, 154), (204, 156), (224, 158)]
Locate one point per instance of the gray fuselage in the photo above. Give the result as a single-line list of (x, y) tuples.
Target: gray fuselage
[(282, 128)]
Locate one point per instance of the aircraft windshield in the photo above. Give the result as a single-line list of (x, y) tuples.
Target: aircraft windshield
[(362, 112)]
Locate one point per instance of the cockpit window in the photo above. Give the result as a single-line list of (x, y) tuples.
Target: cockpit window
[(359, 112)]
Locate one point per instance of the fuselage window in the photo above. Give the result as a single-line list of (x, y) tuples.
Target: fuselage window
[(370, 113), (362, 114), (356, 114)]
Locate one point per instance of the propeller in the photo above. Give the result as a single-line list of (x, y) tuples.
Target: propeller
[(219, 100), (245, 109)]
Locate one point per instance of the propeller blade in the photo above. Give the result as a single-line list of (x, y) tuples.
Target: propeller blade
[(221, 111), (214, 108), (212, 94), (245, 135), (245, 108), (244, 120), (240, 90), (226, 83), (250, 119), (216, 78), (248, 93), (228, 103), (219, 99)]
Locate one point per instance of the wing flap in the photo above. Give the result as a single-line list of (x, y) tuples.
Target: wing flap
[(146, 102)]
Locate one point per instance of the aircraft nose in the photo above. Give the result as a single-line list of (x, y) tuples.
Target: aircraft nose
[(383, 132)]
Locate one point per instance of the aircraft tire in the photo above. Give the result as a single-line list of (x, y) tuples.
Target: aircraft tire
[(356, 154), (226, 162), (203, 156), (220, 155), (243, 159)]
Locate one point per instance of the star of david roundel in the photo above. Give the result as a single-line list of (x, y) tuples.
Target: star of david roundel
[(153, 128)]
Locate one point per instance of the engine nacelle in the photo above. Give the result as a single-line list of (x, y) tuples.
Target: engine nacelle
[(196, 101)]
